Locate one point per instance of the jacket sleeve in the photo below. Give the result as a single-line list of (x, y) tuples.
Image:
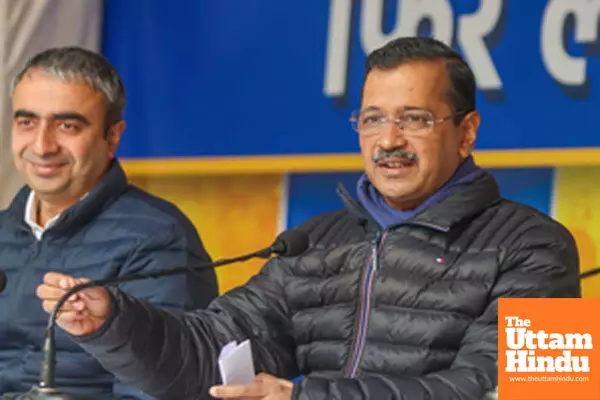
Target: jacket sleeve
[(175, 247), (174, 356), (547, 267), (179, 246)]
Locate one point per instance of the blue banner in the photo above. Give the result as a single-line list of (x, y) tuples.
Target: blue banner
[(272, 77)]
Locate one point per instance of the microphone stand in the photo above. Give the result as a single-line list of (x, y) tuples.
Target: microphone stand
[(47, 389), (590, 273)]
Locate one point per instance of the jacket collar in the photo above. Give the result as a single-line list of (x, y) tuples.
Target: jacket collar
[(112, 185), (441, 216)]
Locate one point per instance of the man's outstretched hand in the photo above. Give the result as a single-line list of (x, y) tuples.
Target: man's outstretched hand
[(84, 312)]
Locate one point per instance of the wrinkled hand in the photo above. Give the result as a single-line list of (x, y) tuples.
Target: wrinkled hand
[(84, 312), (265, 387)]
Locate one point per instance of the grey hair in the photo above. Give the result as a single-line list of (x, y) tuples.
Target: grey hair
[(75, 63)]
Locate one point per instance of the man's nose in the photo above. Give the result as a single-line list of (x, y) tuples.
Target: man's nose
[(45, 141), (391, 136)]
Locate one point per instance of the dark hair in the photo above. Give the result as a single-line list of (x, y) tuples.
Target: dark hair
[(462, 88)]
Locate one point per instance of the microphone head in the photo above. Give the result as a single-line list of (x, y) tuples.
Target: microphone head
[(2, 281), (290, 243)]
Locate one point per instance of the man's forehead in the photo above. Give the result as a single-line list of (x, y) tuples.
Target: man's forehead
[(413, 84), (400, 107), (409, 77), (46, 96)]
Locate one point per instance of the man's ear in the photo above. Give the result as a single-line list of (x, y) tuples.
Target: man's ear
[(469, 127), (113, 136)]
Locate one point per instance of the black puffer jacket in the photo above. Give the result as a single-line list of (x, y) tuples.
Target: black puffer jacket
[(410, 313)]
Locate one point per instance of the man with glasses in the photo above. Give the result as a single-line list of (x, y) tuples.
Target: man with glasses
[(396, 296)]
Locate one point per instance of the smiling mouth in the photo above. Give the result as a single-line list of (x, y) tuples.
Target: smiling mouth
[(47, 169), (395, 167), (394, 163)]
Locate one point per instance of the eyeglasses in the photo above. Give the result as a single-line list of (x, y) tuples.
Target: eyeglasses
[(370, 122)]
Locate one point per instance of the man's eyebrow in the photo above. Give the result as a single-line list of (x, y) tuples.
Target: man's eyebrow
[(71, 115), (25, 114), (21, 113)]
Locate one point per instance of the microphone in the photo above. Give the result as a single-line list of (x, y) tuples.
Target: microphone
[(288, 244), (2, 281)]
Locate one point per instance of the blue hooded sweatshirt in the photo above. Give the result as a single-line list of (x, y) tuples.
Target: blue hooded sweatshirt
[(387, 217)]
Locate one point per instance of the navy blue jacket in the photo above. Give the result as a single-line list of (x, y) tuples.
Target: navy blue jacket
[(117, 229)]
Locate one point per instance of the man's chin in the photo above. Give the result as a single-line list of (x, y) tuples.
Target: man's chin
[(399, 195), (47, 188), (396, 187)]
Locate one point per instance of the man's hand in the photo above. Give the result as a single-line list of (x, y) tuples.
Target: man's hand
[(84, 312), (265, 387)]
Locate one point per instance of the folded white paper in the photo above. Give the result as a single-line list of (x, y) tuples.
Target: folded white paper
[(235, 363)]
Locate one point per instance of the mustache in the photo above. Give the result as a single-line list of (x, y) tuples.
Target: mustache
[(396, 153)]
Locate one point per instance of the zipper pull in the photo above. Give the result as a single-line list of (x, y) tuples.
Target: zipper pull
[(375, 249), (377, 239)]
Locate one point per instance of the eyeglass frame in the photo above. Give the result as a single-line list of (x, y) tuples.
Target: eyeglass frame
[(433, 122)]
